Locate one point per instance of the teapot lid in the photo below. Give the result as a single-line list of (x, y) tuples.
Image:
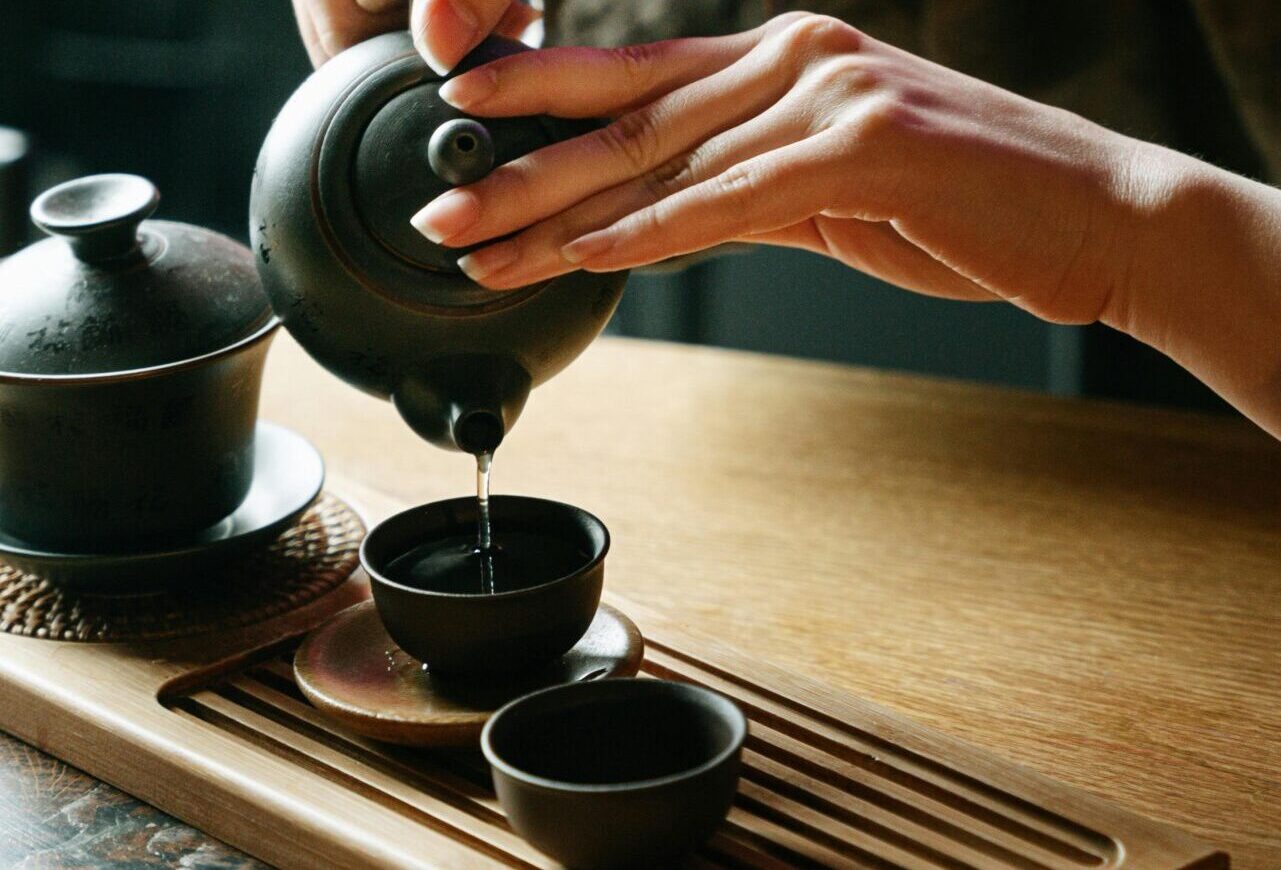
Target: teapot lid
[(112, 291)]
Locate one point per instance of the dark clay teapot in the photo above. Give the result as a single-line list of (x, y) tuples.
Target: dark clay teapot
[(362, 145)]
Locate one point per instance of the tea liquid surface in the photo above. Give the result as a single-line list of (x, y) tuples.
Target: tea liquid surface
[(514, 560), (483, 564)]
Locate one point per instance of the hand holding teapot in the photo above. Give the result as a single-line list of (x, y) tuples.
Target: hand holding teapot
[(355, 152)]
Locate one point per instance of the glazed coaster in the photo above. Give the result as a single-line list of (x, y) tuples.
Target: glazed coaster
[(355, 674), (309, 559)]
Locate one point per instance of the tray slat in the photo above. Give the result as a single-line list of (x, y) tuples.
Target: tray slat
[(816, 791), (941, 802), (219, 735)]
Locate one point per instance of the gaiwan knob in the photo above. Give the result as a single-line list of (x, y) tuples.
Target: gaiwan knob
[(461, 151), (97, 215)]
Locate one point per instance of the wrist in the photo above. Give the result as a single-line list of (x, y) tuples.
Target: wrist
[(1158, 193), (1200, 281)]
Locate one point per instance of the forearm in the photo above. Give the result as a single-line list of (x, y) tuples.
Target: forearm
[(1203, 281)]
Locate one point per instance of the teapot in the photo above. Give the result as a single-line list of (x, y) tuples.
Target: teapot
[(362, 144)]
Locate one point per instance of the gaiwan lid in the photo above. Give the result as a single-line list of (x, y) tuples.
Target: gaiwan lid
[(112, 291)]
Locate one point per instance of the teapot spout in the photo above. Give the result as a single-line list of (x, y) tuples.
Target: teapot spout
[(465, 403), (478, 430)]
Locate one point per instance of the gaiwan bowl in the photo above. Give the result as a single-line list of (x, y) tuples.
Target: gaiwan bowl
[(470, 634), (616, 773)]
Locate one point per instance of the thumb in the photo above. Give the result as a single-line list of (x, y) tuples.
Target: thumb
[(445, 30)]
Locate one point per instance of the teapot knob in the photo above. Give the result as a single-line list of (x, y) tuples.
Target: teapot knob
[(98, 215), (461, 151)]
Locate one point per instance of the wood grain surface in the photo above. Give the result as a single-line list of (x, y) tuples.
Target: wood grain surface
[(1093, 590)]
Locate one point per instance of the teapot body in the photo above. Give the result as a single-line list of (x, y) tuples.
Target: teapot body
[(341, 172)]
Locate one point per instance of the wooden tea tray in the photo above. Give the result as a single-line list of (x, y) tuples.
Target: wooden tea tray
[(213, 730)]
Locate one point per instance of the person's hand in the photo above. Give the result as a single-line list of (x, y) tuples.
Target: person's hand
[(804, 132), (444, 30)]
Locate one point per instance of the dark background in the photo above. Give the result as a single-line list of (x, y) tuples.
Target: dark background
[(182, 91)]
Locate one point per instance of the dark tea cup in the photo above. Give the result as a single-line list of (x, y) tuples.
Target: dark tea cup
[(616, 773), (526, 621)]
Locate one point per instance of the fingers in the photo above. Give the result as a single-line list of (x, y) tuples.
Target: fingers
[(446, 30), (775, 190), (307, 29), (590, 82), (535, 254), (330, 26), (516, 20), (554, 178), (877, 248)]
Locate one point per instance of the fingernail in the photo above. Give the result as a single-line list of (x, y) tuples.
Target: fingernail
[(586, 247), (438, 66), (464, 30), (479, 265), (447, 215), (470, 89)]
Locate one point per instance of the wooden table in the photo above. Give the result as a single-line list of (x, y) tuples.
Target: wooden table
[(1093, 590)]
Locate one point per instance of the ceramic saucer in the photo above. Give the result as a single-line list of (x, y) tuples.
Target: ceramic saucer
[(288, 475), (355, 674)]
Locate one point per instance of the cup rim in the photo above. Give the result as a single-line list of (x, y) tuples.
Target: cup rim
[(378, 577), (270, 325), (729, 710)]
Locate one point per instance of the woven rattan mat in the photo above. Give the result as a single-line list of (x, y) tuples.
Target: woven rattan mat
[(314, 556)]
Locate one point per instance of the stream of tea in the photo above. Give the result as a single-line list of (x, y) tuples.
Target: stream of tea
[(484, 533)]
